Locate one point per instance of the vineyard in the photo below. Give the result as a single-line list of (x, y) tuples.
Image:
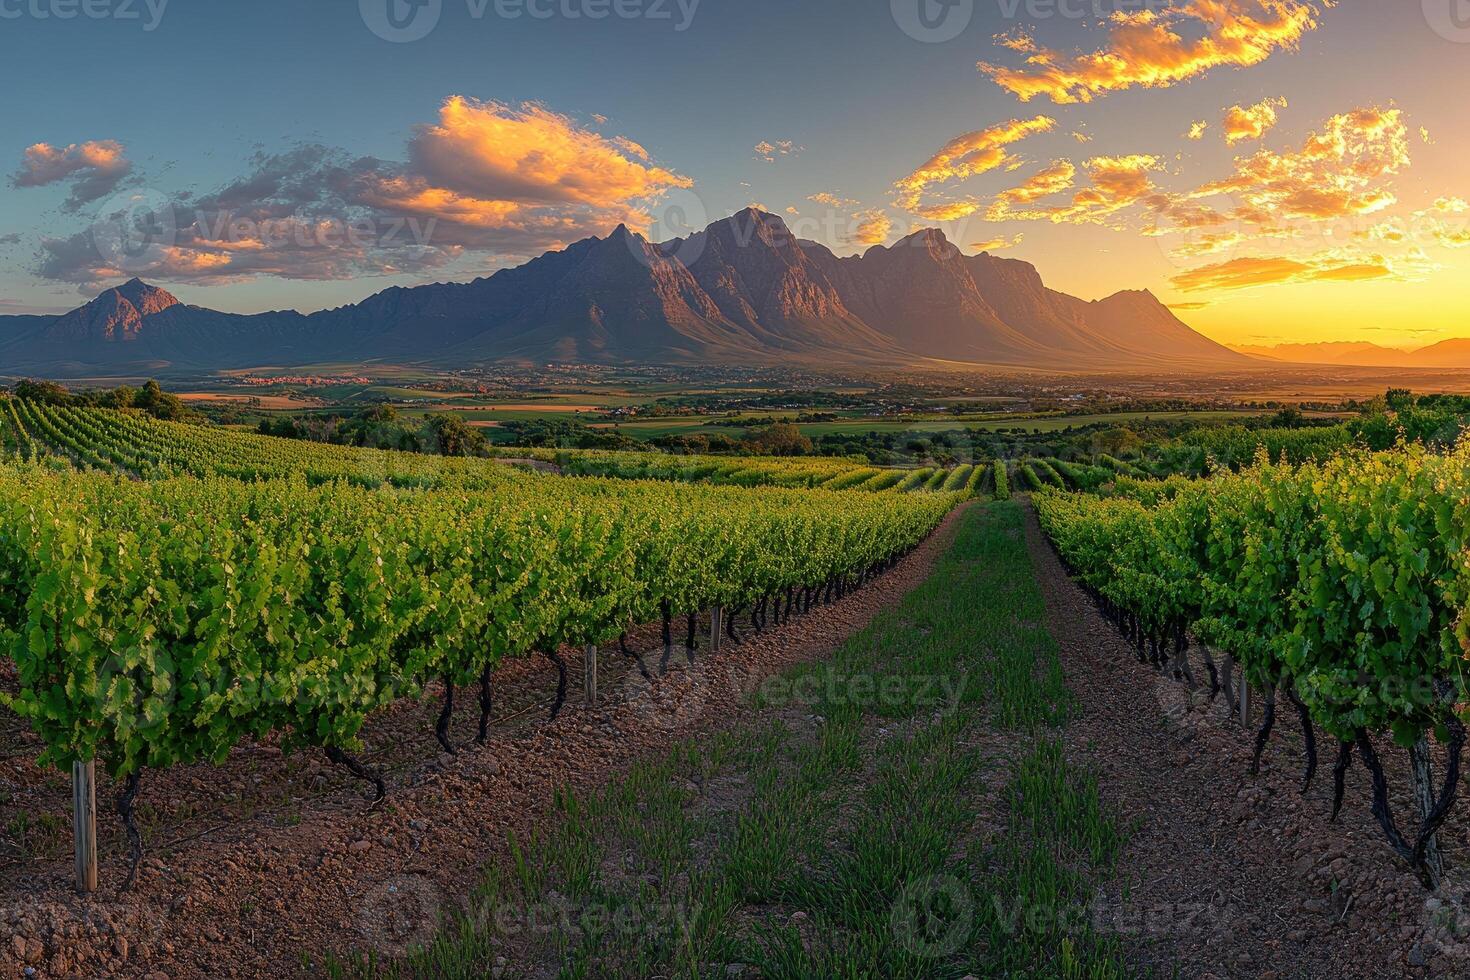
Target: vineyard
[(827, 474), (1341, 586), (141, 446), (168, 591)]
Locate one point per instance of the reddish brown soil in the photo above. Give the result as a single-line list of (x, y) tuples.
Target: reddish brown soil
[(254, 865), (1229, 874)]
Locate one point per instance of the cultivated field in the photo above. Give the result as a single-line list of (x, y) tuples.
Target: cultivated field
[(621, 713)]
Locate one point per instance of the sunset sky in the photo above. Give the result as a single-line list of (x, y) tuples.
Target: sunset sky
[(1276, 170)]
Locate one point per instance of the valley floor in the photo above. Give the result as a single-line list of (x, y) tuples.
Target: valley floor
[(958, 771)]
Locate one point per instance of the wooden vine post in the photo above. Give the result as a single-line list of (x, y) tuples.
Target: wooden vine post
[(84, 823), (589, 675), (716, 628)]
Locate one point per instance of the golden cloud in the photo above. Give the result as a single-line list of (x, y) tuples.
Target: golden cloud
[(1117, 184), (1252, 122), (1426, 229), (1182, 215), (95, 169), (1197, 130), (1253, 271), (1338, 172), (996, 244), (414, 195), (1392, 231), (967, 156), (953, 211), (1210, 243), (1153, 49), (1052, 180), (873, 228), (831, 200), (488, 151)]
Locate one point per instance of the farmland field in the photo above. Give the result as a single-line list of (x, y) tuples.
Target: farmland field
[(251, 638)]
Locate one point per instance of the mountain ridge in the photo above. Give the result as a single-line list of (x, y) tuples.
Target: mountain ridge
[(1451, 354), (745, 290)]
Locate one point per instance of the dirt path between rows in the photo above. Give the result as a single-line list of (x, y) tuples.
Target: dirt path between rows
[(313, 874), (1228, 874)]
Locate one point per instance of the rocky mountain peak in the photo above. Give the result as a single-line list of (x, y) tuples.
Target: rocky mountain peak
[(118, 314), (146, 299)]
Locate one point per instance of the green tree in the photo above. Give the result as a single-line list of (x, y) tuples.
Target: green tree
[(49, 392), (781, 439), (159, 403), (120, 397), (452, 436), (1400, 399)]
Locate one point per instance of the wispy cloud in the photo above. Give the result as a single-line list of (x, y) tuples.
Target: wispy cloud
[(1116, 184), (966, 156), (769, 151), (832, 200), (1155, 49), (1252, 271), (997, 244), (1051, 180)]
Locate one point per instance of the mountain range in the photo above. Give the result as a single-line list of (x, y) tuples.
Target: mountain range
[(1447, 354), (744, 291)]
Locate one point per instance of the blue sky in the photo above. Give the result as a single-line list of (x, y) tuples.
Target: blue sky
[(190, 104)]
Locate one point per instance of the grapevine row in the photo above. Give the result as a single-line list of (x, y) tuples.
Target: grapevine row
[(160, 622), (141, 446), (1343, 585)]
